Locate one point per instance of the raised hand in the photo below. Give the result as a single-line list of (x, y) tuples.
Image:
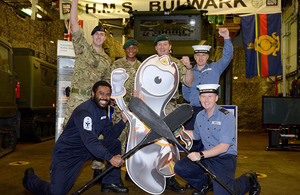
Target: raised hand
[(224, 32)]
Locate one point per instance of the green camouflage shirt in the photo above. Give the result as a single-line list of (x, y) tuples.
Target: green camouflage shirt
[(131, 71), (182, 73), (181, 69), (90, 66), (172, 105)]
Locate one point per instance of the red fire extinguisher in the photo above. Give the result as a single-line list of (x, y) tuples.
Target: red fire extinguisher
[(18, 87)]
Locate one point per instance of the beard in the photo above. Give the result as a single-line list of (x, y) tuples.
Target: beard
[(97, 102)]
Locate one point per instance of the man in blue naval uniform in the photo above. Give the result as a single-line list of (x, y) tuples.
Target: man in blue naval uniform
[(79, 143), (206, 73), (215, 126)]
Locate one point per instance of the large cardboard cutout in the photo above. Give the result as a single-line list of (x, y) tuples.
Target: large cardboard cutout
[(157, 81)]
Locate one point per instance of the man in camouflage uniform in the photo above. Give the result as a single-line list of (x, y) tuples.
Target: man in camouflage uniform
[(163, 46), (92, 63), (130, 63)]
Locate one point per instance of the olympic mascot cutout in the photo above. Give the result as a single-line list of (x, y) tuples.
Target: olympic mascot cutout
[(156, 81)]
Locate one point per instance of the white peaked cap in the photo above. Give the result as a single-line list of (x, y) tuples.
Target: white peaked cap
[(201, 48), (208, 88)]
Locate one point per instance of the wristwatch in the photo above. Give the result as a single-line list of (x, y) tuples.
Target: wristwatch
[(202, 155), (189, 68)]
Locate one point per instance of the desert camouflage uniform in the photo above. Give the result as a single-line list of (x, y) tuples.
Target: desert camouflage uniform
[(89, 68), (129, 86), (172, 105)]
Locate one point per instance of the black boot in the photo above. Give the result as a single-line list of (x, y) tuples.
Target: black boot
[(255, 187), (173, 185), (121, 184), (188, 186), (205, 189), (96, 173), (114, 188), (27, 173)]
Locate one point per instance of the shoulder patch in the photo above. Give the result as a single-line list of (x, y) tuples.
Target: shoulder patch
[(87, 123), (224, 110)]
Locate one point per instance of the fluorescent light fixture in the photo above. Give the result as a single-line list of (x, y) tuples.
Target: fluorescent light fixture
[(192, 22), (28, 12), (235, 77), (39, 7)]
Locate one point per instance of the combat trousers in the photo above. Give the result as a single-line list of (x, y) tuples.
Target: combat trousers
[(222, 166), (64, 172)]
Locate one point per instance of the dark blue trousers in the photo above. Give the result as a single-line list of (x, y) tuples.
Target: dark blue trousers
[(222, 166), (64, 173)]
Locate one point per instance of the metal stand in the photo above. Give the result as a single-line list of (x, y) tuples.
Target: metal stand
[(279, 138)]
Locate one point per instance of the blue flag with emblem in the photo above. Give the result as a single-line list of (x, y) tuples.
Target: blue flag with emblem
[(261, 34)]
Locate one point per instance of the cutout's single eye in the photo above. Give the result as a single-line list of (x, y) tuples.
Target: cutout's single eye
[(156, 81)]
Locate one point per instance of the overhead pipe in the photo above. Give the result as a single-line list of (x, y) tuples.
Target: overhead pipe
[(295, 2)]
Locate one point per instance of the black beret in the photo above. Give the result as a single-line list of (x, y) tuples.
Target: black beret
[(129, 43), (162, 37), (98, 28)]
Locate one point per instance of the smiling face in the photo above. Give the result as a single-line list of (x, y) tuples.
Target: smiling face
[(163, 48), (131, 52), (208, 100), (102, 96), (98, 38), (201, 59)]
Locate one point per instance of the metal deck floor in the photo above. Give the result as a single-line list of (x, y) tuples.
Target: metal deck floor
[(279, 170)]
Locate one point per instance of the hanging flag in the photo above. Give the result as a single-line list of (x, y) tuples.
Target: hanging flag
[(67, 31), (261, 33)]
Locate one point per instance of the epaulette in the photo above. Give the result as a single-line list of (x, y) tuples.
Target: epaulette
[(224, 110)]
